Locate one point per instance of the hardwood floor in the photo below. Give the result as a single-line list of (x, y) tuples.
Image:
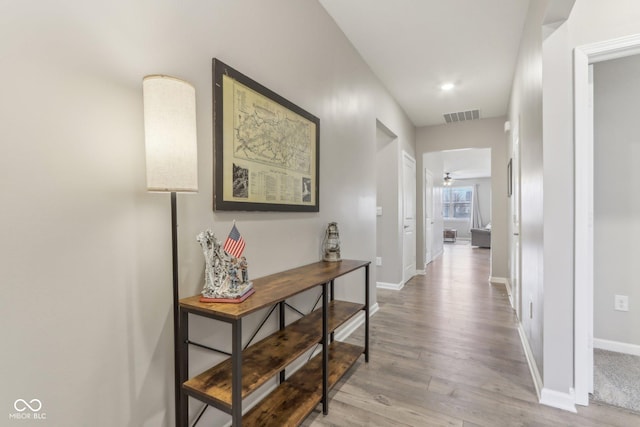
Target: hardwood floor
[(445, 351)]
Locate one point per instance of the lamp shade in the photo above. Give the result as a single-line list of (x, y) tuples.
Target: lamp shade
[(171, 143)]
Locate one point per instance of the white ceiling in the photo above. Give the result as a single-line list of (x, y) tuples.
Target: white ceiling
[(467, 163), (414, 46)]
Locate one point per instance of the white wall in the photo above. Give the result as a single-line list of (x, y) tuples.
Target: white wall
[(616, 207), (485, 133), (85, 250), (543, 88), (558, 213), (388, 241), (525, 114), (540, 96)]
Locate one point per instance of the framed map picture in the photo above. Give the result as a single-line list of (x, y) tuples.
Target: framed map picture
[(265, 148)]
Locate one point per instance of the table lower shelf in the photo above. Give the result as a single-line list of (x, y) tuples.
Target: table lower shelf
[(293, 400), (263, 360)]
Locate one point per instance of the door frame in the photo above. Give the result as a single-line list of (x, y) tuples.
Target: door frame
[(428, 250), (406, 156), (515, 273), (584, 57)]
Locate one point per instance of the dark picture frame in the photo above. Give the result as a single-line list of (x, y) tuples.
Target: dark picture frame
[(510, 178), (266, 148)]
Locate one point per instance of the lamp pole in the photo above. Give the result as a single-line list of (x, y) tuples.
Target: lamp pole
[(176, 298)]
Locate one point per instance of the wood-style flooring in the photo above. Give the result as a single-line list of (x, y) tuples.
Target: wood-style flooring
[(445, 351)]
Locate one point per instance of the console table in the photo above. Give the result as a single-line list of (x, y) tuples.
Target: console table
[(225, 385)]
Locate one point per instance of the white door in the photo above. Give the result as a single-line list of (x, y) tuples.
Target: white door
[(516, 286), (408, 217), (428, 216)]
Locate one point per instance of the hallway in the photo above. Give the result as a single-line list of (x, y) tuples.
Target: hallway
[(445, 351)]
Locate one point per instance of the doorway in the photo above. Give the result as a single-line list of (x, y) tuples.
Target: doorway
[(450, 206), (584, 58)]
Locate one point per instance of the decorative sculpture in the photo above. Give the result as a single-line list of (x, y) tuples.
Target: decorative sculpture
[(226, 277), (331, 243)]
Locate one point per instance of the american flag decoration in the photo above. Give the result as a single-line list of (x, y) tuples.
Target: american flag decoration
[(234, 245)]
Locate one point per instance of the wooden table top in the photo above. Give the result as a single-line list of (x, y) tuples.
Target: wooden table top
[(274, 288)]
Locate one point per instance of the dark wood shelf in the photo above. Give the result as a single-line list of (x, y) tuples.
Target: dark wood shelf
[(274, 288), (263, 360), (227, 384), (292, 401)]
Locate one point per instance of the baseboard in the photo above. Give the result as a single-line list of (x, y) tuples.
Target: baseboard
[(557, 399), (533, 368), (548, 397), (392, 286), (374, 309), (509, 292), (420, 272), (498, 280), (507, 284), (617, 346), (357, 321), (426, 264)]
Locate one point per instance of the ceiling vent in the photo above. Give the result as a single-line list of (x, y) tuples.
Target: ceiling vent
[(462, 116)]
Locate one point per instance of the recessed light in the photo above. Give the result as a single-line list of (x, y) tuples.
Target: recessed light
[(447, 86)]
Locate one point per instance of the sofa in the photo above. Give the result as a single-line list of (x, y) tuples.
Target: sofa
[(481, 237)]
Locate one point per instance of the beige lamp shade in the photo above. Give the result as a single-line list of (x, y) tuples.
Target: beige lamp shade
[(170, 134)]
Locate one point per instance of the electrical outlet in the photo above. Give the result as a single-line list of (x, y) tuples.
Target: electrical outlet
[(379, 211), (379, 261), (621, 303)]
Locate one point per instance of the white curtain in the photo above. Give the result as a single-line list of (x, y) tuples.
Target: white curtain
[(476, 217)]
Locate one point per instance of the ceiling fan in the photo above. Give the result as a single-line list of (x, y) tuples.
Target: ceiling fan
[(447, 179)]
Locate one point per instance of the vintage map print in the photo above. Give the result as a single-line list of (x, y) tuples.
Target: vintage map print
[(269, 151)]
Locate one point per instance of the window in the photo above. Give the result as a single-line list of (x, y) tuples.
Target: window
[(456, 202)]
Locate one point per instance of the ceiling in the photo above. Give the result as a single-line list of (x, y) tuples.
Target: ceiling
[(468, 163), (415, 46)]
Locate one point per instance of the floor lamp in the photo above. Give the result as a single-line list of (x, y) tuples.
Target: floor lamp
[(172, 163)]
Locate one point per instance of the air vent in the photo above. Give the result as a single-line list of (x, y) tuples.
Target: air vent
[(462, 116)]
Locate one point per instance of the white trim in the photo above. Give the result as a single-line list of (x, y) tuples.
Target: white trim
[(392, 286), (358, 320), (548, 397), (407, 158), (533, 368), (557, 399), (503, 281), (612, 49), (348, 328), (374, 309), (420, 272), (584, 56), (583, 227), (617, 346), (509, 292)]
